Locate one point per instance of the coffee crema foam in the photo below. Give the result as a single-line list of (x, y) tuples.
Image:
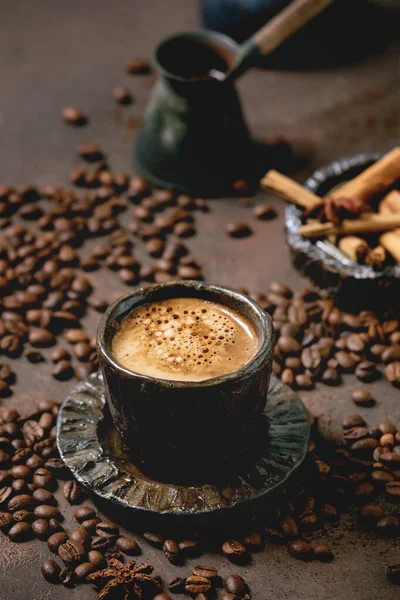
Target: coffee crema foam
[(184, 339)]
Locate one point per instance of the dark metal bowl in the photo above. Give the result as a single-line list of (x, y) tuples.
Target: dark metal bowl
[(354, 286)]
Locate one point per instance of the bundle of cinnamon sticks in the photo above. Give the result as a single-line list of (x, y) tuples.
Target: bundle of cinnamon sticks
[(378, 211)]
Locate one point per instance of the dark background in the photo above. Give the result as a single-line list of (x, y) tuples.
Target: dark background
[(55, 54)]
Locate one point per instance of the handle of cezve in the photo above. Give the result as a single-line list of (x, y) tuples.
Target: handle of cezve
[(292, 18)]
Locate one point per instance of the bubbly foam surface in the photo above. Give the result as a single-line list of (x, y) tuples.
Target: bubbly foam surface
[(184, 339)]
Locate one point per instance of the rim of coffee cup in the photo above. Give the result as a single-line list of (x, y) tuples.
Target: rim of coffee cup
[(264, 330)]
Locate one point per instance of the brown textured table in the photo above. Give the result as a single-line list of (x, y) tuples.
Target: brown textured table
[(54, 54)]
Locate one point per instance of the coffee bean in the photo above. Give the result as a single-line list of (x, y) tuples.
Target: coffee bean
[(56, 465), (83, 370), (322, 553), (97, 303), (162, 596), (45, 511), (381, 477), (40, 528), (32, 432), (393, 372), (235, 584), (275, 536), (50, 571), (128, 546), (55, 540), (265, 212), (72, 492), (21, 472), (154, 539), (304, 382), (353, 420), (366, 371), (390, 459), (90, 152), (91, 524), (43, 478), (300, 549), (362, 398), (288, 345), (387, 439), (106, 529), (364, 492), (235, 551), (364, 446), (388, 525), (67, 577), (21, 502), (188, 272), (41, 338), (34, 462), (171, 551), (83, 570), (328, 512), (177, 585), (23, 515), (6, 520), (122, 95), (80, 535), (19, 457), (331, 377), (287, 377), (62, 370), (96, 558), (71, 552), (207, 571), (138, 66), (73, 116), (46, 420), (197, 585), (290, 528), (393, 573), (346, 362), (386, 427), (20, 532), (5, 478), (83, 513), (238, 229), (393, 490), (371, 513), (391, 354), (353, 434), (253, 541), (102, 543)]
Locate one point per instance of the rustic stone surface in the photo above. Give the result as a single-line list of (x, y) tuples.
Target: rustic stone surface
[(347, 110)]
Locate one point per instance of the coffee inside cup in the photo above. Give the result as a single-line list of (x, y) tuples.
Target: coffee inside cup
[(184, 339)]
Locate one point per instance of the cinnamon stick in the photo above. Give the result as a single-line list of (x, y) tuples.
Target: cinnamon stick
[(369, 223), (390, 203), (288, 189), (391, 242), (374, 180), (354, 247)]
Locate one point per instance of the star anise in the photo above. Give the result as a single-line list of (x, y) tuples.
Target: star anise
[(334, 210), (124, 582)]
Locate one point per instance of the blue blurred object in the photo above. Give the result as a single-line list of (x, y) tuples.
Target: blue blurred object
[(345, 31), (239, 18)]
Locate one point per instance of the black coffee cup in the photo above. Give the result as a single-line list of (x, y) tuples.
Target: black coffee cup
[(181, 425)]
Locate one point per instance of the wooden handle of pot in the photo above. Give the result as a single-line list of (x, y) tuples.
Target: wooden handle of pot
[(289, 20)]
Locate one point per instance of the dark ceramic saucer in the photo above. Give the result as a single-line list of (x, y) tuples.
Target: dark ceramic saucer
[(95, 454)]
